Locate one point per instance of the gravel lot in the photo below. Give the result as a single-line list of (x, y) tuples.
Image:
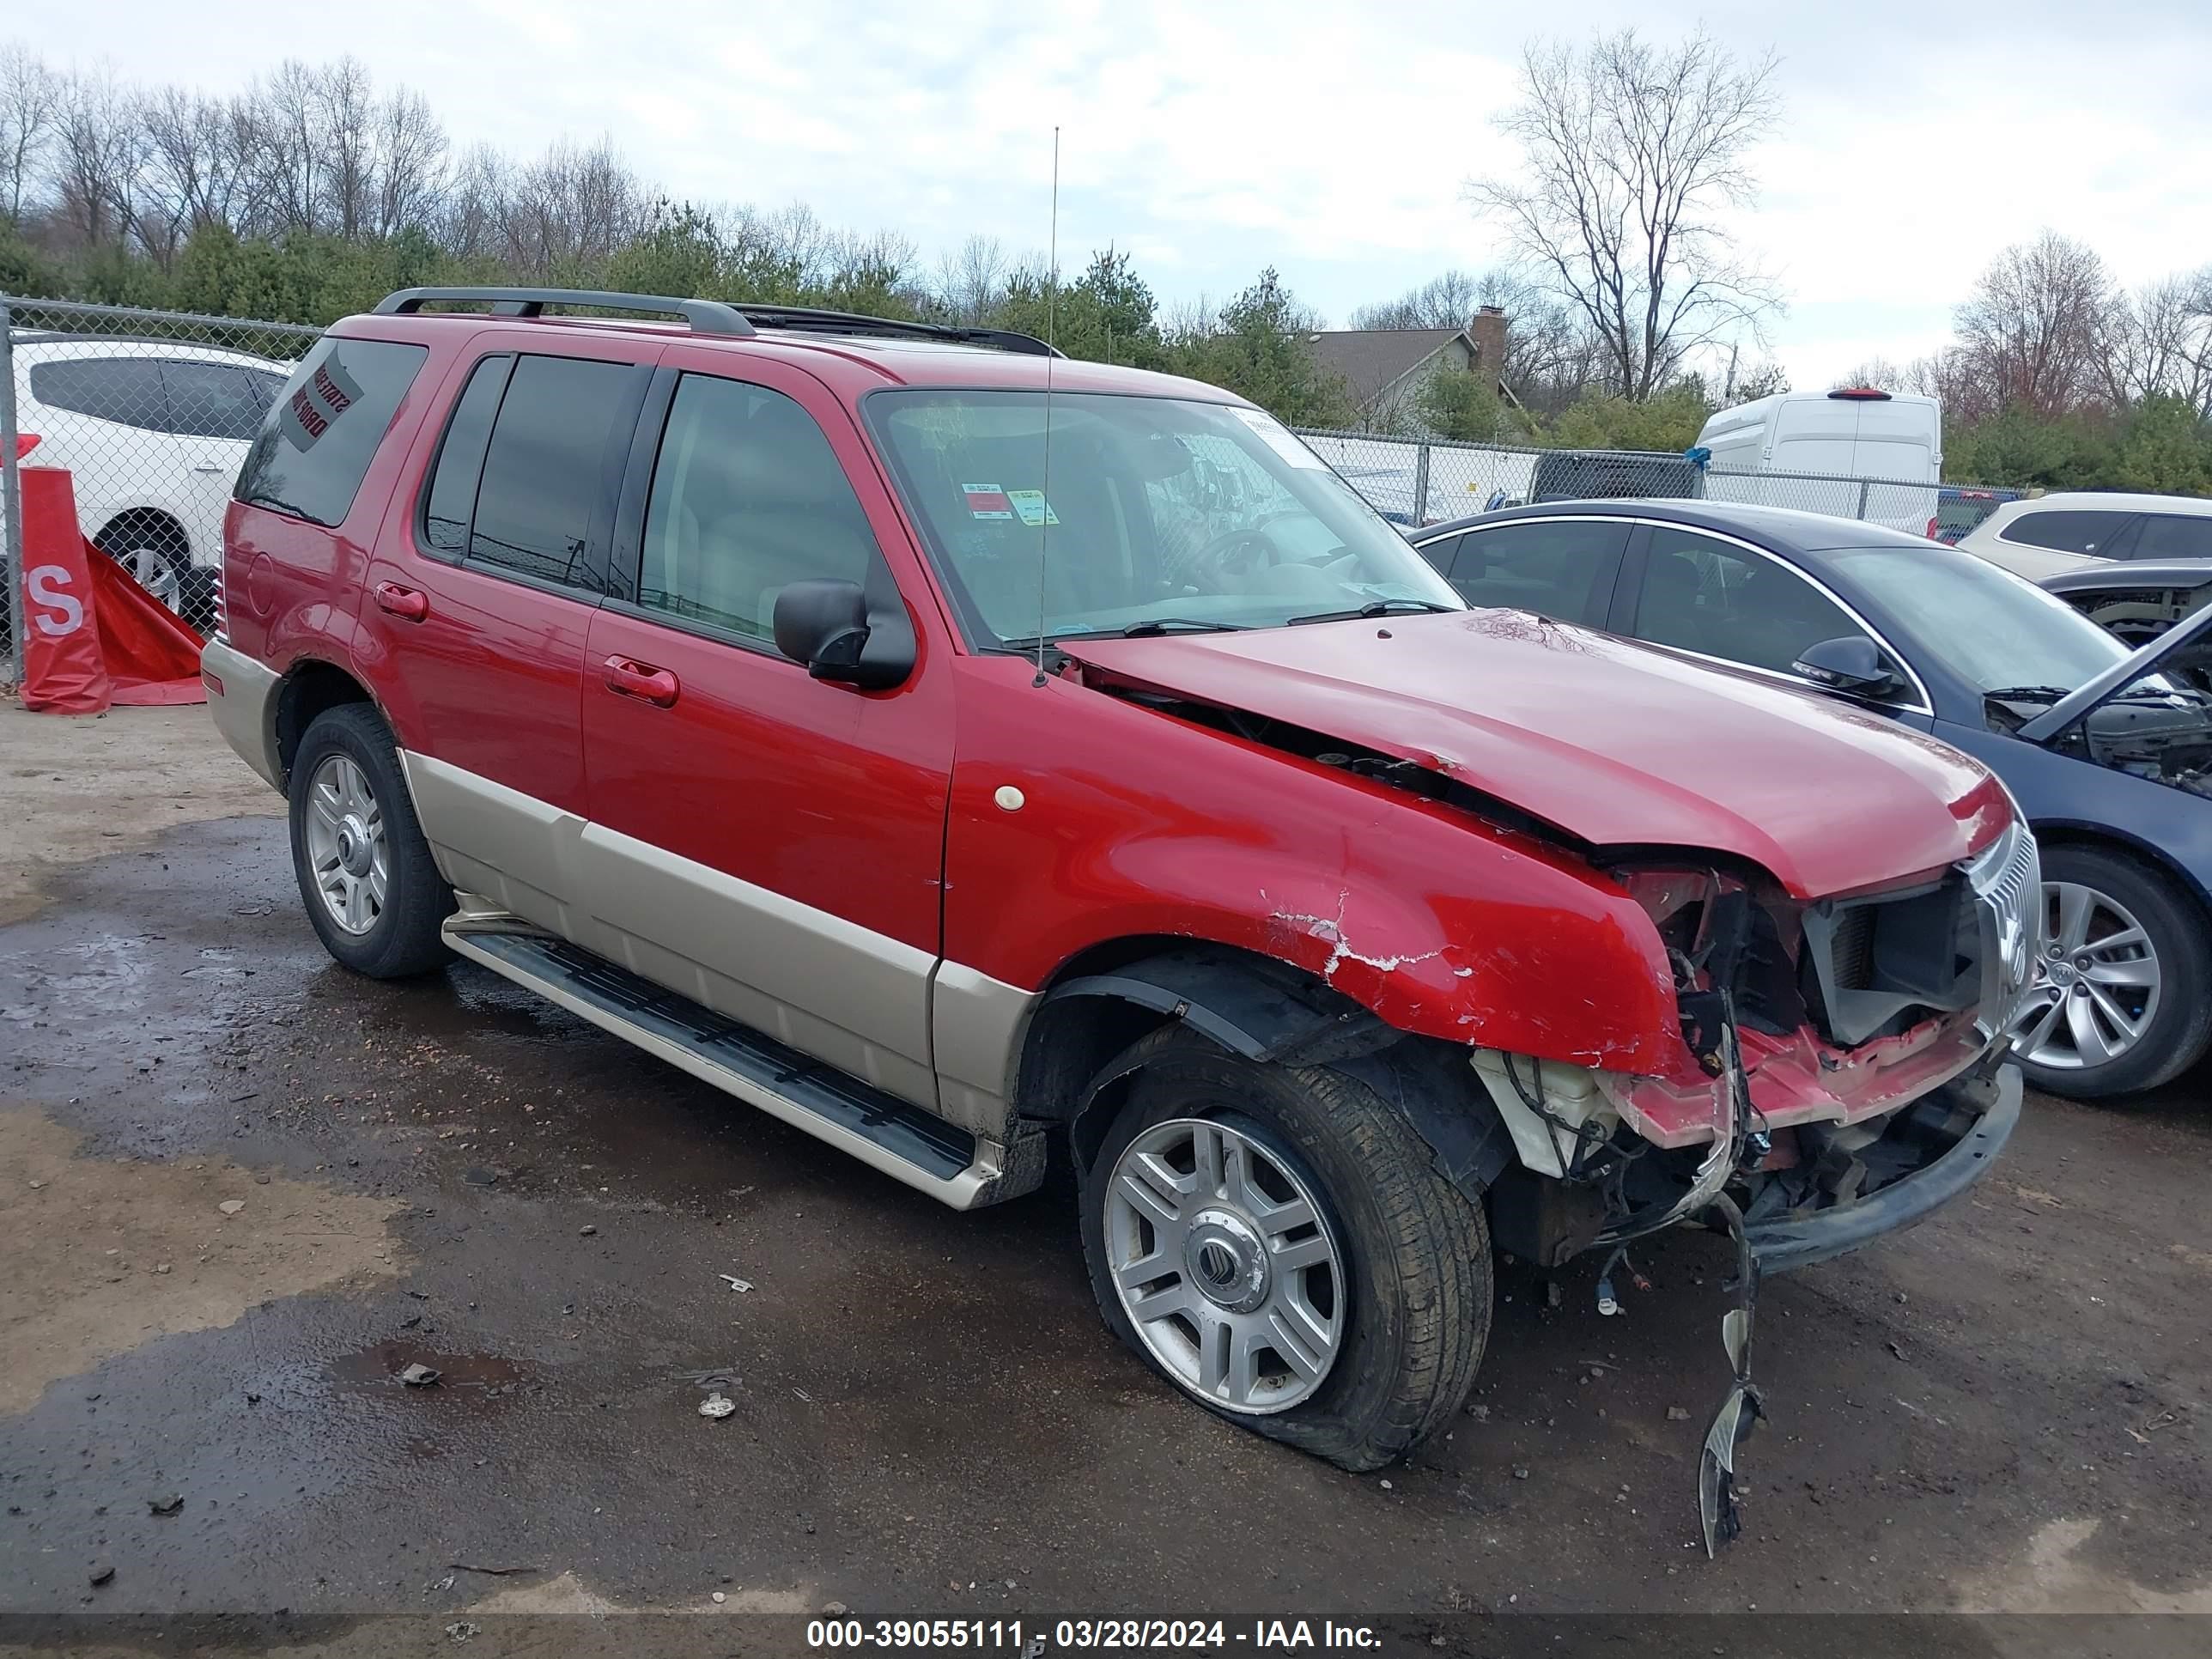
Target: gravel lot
[(239, 1189)]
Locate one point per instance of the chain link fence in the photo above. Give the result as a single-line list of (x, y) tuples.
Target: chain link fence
[(151, 413), (1413, 482)]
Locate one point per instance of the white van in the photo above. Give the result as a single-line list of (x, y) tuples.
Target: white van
[(1815, 451)]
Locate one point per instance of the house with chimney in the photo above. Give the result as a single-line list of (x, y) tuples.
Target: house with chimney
[(1385, 367)]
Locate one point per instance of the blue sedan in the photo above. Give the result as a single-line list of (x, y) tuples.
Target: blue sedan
[(2108, 754)]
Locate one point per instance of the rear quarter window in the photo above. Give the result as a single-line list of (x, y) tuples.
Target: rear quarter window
[(2065, 530), (318, 439), (125, 390)]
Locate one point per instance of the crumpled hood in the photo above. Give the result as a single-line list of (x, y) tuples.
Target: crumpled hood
[(1616, 744)]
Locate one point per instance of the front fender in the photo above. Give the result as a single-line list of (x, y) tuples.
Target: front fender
[(1129, 822)]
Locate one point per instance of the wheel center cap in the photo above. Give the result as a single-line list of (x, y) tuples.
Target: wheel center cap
[(2063, 972), (1224, 1259), (354, 848)]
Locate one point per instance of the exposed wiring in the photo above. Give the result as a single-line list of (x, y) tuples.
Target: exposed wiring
[(1584, 1134)]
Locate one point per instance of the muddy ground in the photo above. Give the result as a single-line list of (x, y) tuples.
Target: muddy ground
[(241, 1190)]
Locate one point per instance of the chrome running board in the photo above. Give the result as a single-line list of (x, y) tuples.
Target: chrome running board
[(906, 1143)]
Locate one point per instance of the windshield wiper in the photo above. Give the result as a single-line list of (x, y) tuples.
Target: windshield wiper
[(1150, 625), (1136, 630), (2028, 694), (1372, 608)]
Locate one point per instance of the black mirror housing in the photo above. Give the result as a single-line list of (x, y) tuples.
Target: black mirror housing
[(825, 624), (1853, 665)]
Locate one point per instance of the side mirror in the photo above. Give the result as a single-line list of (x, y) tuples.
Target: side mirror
[(824, 623), (1853, 665)]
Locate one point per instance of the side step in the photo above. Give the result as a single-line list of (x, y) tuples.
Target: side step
[(904, 1141)]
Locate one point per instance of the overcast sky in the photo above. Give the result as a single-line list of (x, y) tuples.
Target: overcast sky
[(1330, 140)]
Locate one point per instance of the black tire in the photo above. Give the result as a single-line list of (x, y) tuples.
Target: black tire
[(1418, 1270), (152, 545), (2181, 1024), (403, 938)]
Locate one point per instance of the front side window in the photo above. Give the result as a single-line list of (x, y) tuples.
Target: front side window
[(1721, 601), (1138, 511), (214, 400), (541, 470), (2066, 531), (317, 439), (747, 498), (1557, 568), (125, 390)]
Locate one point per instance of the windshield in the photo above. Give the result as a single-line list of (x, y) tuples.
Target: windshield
[(1987, 625), (1145, 511)]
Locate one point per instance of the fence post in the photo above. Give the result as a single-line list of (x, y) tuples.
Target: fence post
[(1863, 498), (1421, 486), (11, 508)]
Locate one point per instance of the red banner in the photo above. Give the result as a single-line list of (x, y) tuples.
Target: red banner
[(63, 671)]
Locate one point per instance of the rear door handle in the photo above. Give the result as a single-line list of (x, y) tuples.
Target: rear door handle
[(407, 604), (206, 466), (628, 678)]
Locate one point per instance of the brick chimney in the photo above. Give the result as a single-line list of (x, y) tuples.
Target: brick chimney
[(1488, 332)]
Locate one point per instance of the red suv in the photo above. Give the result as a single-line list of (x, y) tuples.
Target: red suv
[(955, 749)]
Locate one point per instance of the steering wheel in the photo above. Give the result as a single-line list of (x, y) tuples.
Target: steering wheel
[(1231, 555)]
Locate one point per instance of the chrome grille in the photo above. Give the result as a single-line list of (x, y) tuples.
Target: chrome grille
[(2008, 883)]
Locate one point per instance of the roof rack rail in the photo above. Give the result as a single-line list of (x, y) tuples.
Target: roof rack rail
[(705, 316), (853, 322)]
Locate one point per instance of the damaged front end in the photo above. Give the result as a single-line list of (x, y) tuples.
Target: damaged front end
[(1843, 1076)]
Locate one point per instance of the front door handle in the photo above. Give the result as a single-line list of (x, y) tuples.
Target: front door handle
[(628, 678), (407, 604), (206, 466)]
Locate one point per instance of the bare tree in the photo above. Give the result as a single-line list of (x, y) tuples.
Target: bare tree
[(1877, 371), (30, 109), (1628, 152), (98, 149), (970, 279), (343, 99), (410, 170), (2158, 341), (2029, 336), (1444, 301)]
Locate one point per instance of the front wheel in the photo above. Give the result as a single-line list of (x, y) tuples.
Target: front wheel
[(2122, 999), (373, 893), (1275, 1242)]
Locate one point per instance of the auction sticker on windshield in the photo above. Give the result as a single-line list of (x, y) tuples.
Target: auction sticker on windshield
[(987, 502), (1033, 507)]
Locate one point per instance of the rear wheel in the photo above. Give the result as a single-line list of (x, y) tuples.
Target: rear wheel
[(373, 893), (2119, 1002), (153, 547), (1275, 1242)]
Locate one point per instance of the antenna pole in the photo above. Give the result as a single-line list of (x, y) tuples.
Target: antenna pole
[(1051, 317)]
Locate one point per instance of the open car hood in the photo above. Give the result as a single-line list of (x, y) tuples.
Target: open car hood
[(1615, 745)]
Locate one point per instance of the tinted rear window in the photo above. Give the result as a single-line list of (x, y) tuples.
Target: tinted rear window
[(315, 446), (125, 390), (2065, 531), (542, 472), (217, 400)]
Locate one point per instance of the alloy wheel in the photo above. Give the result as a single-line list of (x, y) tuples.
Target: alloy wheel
[(1225, 1263), (151, 568), (346, 846), (2096, 985)]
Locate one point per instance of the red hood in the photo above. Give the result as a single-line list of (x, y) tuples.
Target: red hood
[(1613, 742)]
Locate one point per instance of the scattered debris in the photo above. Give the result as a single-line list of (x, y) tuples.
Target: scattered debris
[(492, 1572), (720, 1598), (420, 1376), (1678, 1413), (168, 1505), (445, 1583), (717, 1405), (1896, 1350), (835, 1609), (231, 1206), (1552, 1295), (36, 1185), (479, 1177), (102, 1572), (1479, 1412), (1386, 1486), (460, 1630), (1520, 1471), (585, 1232), (735, 1283)]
